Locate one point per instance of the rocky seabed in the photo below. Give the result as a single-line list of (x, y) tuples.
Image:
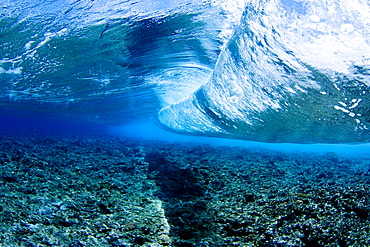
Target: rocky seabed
[(117, 192)]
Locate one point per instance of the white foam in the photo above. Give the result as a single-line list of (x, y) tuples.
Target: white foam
[(14, 71)]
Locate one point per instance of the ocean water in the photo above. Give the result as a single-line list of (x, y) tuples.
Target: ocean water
[(263, 71), (184, 123)]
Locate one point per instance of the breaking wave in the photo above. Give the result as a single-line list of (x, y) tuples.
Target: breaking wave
[(293, 71), (109, 61), (266, 70)]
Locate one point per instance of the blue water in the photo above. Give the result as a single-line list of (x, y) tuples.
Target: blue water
[(270, 73)]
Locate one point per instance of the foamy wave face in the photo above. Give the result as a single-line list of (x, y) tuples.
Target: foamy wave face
[(294, 71), (110, 59)]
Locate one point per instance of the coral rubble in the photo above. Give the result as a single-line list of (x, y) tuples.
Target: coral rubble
[(116, 192)]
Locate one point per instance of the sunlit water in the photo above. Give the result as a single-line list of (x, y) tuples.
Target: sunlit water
[(273, 71), (291, 72)]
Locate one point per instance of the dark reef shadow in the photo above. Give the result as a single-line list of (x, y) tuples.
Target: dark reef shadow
[(184, 199)]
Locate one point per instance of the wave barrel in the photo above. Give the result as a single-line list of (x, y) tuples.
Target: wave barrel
[(293, 71)]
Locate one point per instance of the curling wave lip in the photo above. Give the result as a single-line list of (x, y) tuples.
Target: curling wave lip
[(290, 73)]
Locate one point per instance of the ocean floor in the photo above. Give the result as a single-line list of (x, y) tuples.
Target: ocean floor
[(118, 192)]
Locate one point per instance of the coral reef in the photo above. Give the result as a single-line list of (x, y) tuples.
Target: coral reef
[(117, 192)]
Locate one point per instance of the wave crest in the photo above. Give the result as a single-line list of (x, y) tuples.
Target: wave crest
[(290, 73)]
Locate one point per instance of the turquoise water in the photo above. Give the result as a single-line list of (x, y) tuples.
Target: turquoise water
[(260, 71), (184, 123), (153, 132)]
